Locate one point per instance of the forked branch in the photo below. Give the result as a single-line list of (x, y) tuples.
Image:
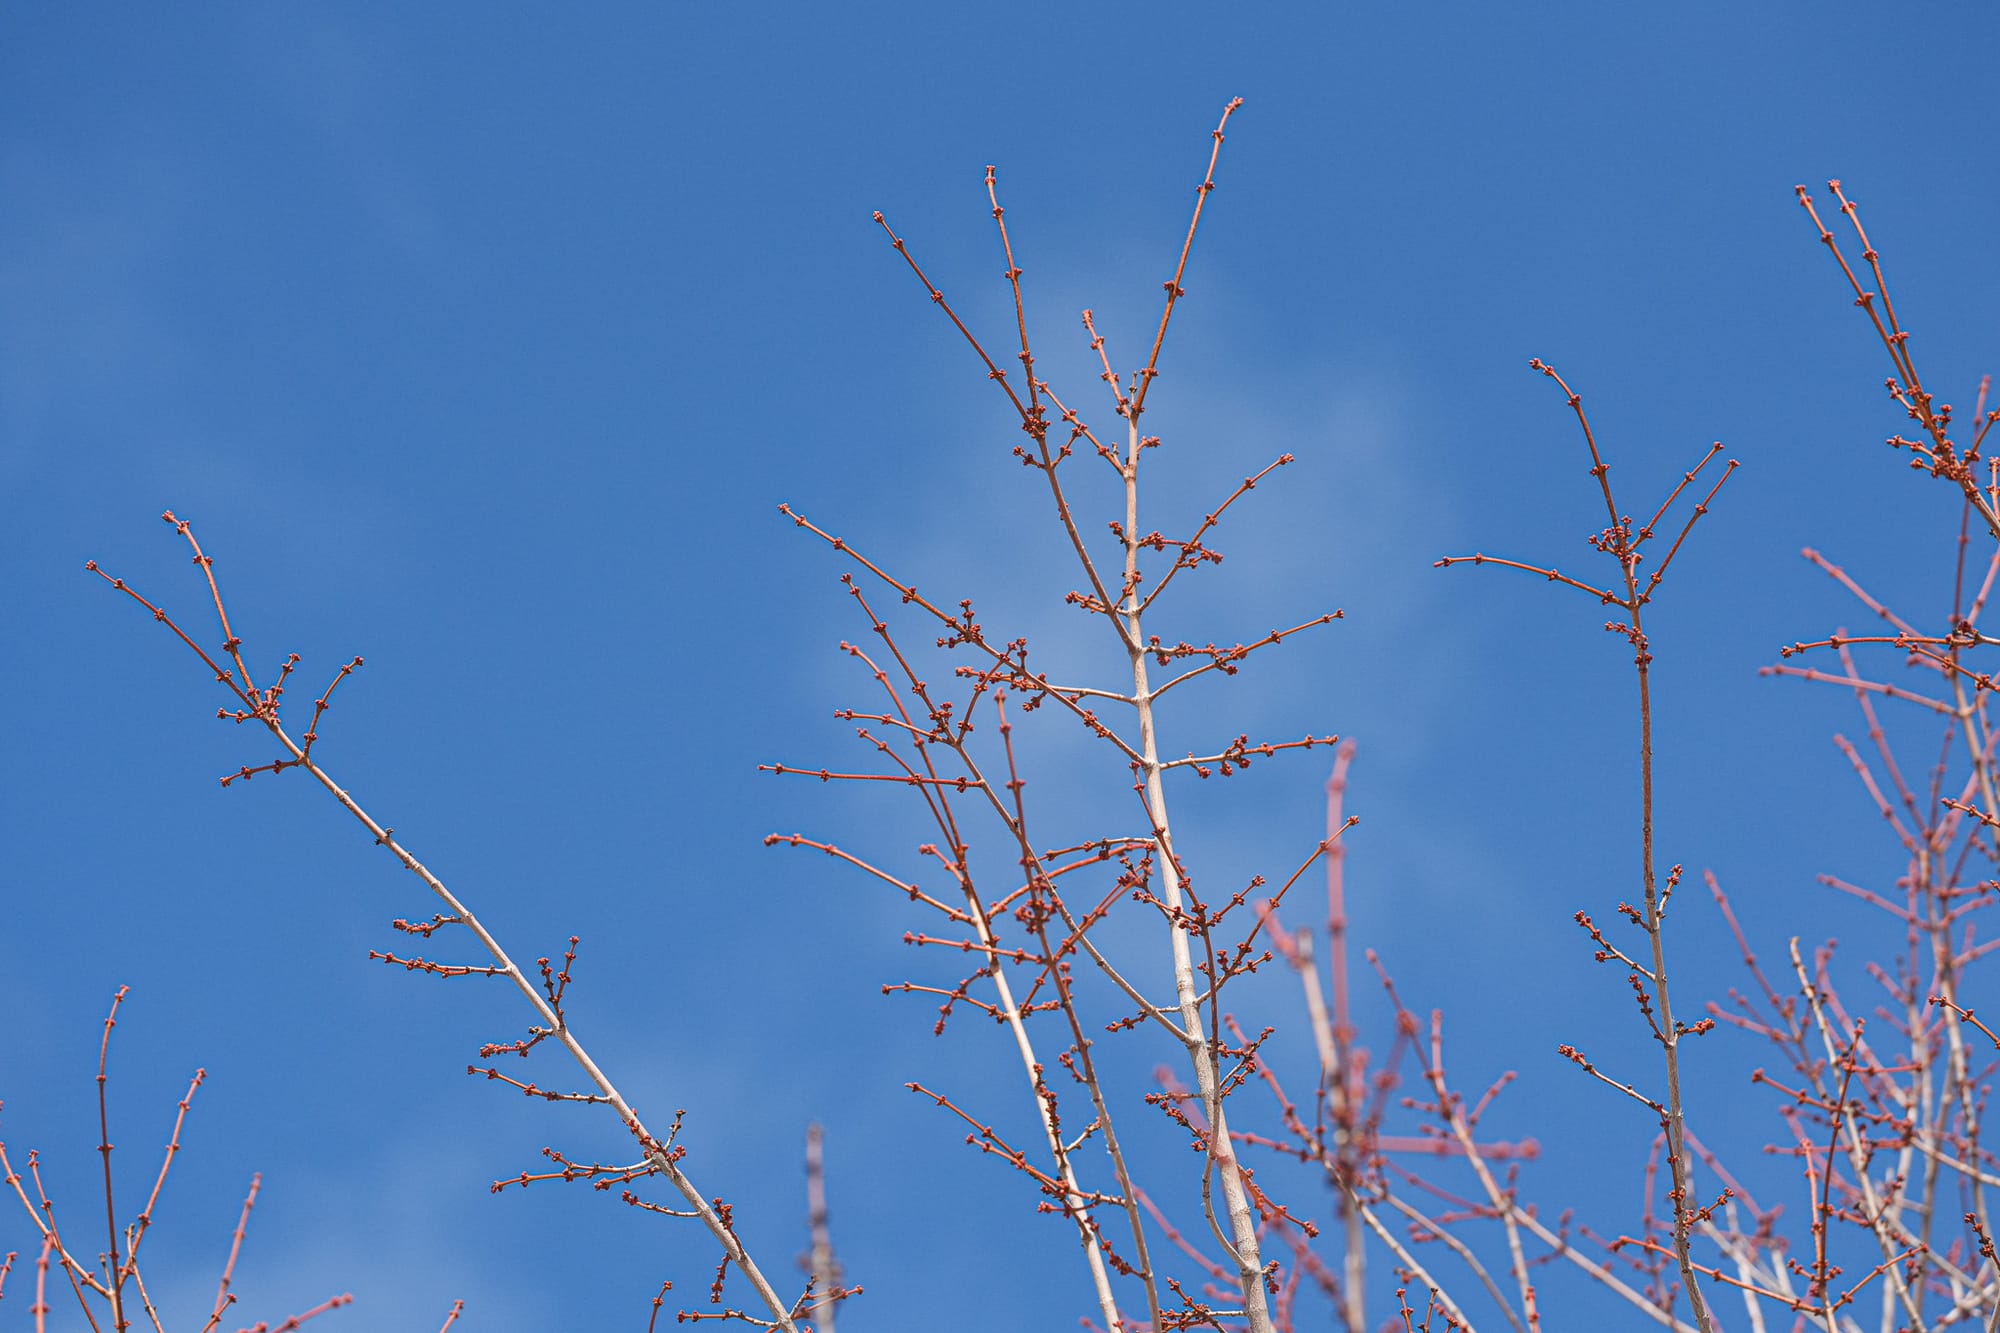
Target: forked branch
[(265, 706)]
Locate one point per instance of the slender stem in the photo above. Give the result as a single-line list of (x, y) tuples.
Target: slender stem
[(1620, 543), (1242, 1230), (825, 1274), (1676, 1119), (1335, 1035), (657, 1153), (114, 1268), (1409, 1261), (1077, 1201)]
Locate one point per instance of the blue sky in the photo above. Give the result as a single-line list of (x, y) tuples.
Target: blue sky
[(485, 345)]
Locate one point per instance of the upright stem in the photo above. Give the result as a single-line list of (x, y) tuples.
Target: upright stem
[(1078, 1200), (1242, 1234), (114, 1267), (1677, 1163), (826, 1277), (1336, 1043), (1620, 541)]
